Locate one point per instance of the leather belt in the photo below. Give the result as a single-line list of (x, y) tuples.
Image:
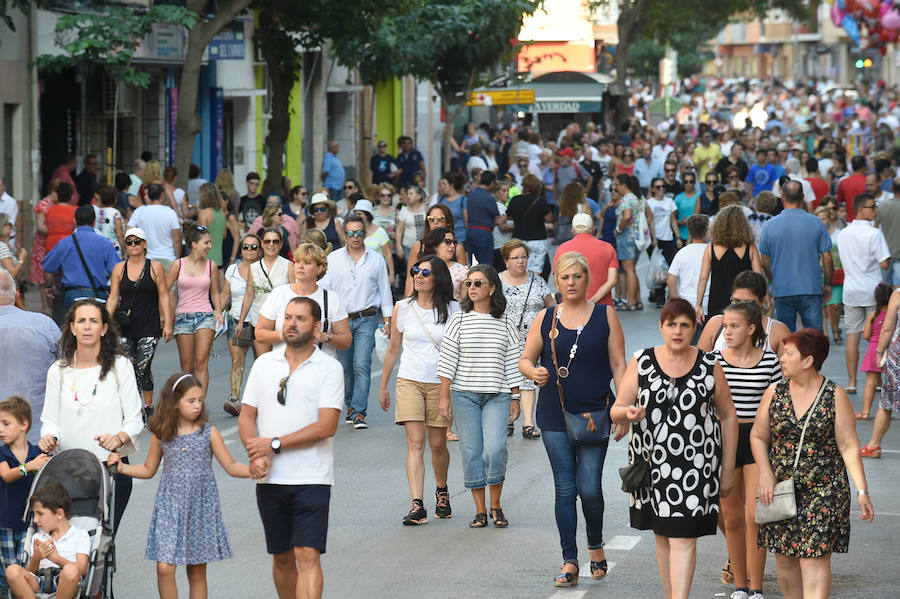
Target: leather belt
[(372, 311)]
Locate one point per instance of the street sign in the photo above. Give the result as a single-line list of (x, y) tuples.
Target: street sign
[(491, 97)]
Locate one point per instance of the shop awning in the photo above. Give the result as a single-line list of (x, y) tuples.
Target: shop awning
[(566, 92)]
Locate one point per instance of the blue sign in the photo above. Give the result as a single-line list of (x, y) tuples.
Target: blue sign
[(217, 129), (228, 44), (172, 114)]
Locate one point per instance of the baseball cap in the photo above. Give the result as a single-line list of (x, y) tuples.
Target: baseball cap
[(566, 152), (582, 223), (136, 232)]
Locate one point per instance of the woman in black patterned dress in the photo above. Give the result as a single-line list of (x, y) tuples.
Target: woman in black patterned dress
[(803, 545), (684, 424)]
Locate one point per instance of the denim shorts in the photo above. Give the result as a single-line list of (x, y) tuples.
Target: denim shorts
[(191, 322), (626, 245)]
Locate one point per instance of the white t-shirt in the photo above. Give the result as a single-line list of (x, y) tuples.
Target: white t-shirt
[(317, 383), (274, 306), (861, 247), (662, 217), (419, 359), (68, 546), (686, 266), (158, 222), (238, 289), (413, 225)]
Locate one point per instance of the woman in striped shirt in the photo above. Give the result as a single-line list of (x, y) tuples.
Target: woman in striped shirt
[(749, 369), (479, 364)]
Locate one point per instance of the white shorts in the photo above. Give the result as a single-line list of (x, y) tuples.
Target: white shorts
[(537, 252)]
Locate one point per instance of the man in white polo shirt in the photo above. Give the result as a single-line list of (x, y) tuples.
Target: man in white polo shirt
[(291, 407)]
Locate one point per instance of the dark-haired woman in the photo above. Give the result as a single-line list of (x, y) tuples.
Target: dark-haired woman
[(531, 213), (749, 370), (92, 400), (480, 377), (626, 236), (138, 287), (438, 215), (683, 425), (417, 327), (442, 242), (450, 187), (198, 311), (803, 544)]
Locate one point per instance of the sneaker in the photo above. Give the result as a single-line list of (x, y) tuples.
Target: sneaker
[(348, 419), (233, 406), (442, 504), (757, 595), (417, 514), (740, 595), (359, 421)]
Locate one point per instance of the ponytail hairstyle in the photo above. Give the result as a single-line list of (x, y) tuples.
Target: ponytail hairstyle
[(753, 316)]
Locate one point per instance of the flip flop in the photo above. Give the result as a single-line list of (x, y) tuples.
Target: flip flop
[(861, 416), (850, 390)]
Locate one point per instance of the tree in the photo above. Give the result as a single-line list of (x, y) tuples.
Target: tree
[(6, 7), (110, 39), (646, 53), (452, 44)]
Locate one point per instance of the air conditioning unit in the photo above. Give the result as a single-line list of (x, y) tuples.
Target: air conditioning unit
[(126, 97)]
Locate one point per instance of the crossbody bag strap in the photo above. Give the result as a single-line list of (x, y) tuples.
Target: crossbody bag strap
[(136, 284), (527, 295), (554, 332), (262, 267), (412, 308), (806, 423), (84, 264), (325, 323)]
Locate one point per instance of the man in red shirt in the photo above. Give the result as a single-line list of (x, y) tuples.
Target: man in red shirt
[(853, 185), (601, 258), (818, 184)]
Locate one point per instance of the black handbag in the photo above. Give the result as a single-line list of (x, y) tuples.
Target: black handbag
[(636, 476)]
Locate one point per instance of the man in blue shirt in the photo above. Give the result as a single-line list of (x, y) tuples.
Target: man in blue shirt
[(791, 245), (646, 168), (99, 259), (483, 216), (410, 161), (762, 175), (384, 166), (333, 174)]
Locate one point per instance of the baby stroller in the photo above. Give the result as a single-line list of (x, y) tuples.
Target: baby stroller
[(91, 487)]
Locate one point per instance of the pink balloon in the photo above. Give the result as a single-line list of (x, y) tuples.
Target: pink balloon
[(885, 7), (891, 20), (837, 15)]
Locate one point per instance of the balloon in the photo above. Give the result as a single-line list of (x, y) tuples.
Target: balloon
[(885, 7), (891, 20), (837, 15), (870, 8), (851, 27)]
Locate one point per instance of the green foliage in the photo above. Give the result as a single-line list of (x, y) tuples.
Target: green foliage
[(6, 7), (645, 54), (110, 39)]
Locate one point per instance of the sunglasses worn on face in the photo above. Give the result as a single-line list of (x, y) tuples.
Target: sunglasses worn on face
[(271, 241), (133, 241), (319, 209), (352, 234), (691, 181), (436, 219), (658, 187), (449, 241), (385, 195), (415, 270), (711, 181), (250, 246), (477, 283), (282, 388), (304, 193), (349, 187)]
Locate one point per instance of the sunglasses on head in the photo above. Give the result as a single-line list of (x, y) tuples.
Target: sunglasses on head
[(352, 234), (250, 246), (319, 209), (477, 283), (203, 228), (282, 388), (133, 241), (415, 270)]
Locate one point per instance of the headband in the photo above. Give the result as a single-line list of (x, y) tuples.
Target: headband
[(181, 378)]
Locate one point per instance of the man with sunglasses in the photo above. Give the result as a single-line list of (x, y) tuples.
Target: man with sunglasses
[(359, 275), (291, 409), (383, 166)]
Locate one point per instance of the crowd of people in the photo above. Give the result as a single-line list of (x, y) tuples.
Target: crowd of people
[(497, 297)]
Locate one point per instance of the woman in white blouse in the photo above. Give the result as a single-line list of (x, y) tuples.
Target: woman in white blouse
[(92, 400), (418, 326)]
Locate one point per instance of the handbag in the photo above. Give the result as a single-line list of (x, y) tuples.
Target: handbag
[(784, 499), (586, 428), (635, 476), (122, 315), (245, 339)]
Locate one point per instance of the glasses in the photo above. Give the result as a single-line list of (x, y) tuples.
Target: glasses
[(733, 177), (352, 234), (658, 187), (386, 195), (319, 209), (449, 241), (517, 258), (304, 193), (250, 246), (477, 283), (202, 228), (382, 145), (282, 388), (711, 181), (415, 270), (133, 241), (349, 186), (271, 241), (691, 181), (871, 206), (436, 219)]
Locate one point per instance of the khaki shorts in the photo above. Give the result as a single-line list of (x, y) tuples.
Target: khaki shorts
[(418, 402), (855, 317)]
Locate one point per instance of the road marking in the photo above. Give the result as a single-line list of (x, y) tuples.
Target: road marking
[(879, 514), (228, 431), (568, 595), (890, 451), (622, 543), (587, 573), (230, 441)]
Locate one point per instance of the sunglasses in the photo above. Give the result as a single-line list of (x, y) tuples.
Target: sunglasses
[(733, 177), (250, 246), (319, 209), (382, 145), (271, 241), (449, 241), (304, 193), (386, 195), (711, 181), (349, 186), (691, 181), (658, 187), (415, 270), (133, 241), (282, 387), (202, 228), (436, 219), (352, 234), (477, 283)]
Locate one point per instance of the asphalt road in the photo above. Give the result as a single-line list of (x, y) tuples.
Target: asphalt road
[(370, 554)]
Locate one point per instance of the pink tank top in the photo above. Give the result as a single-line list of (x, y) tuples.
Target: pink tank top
[(193, 292)]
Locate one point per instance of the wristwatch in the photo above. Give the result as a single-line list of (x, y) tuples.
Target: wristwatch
[(276, 445), (515, 396), (23, 470)]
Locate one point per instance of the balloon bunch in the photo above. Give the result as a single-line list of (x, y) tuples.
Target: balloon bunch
[(879, 19)]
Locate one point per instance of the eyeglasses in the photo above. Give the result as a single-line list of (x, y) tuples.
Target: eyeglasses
[(352, 234), (871, 206), (271, 241), (133, 241), (282, 388), (477, 283), (449, 241), (319, 209), (250, 246), (415, 270), (517, 258), (349, 186)]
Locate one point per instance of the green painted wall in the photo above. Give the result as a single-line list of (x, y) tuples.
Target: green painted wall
[(389, 113), (294, 147)]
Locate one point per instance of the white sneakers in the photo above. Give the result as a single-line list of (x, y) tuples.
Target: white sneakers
[(740, 595)]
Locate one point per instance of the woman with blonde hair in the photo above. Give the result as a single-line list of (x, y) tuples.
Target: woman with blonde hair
[(317, 238), (731, 251), (212, 217), (153, 173), (225, 185)]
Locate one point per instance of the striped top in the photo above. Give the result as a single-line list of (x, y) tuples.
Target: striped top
[(748, 384), (480, 353)]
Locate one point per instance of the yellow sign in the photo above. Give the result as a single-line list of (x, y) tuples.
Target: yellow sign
[(499, 97)]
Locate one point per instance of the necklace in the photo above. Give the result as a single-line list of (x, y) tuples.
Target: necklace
[(563, 371), (75, 379)]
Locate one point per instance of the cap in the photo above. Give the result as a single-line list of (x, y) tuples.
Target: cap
[(364, 206), (582, 223), (136, 232), (782, 147), (566, 152), (523, 153)]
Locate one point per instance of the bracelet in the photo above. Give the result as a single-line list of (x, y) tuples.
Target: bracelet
[(23, 470), (862, 492), (515, 396)]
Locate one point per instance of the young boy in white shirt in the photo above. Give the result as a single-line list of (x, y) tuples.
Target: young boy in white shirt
[(58, 546)]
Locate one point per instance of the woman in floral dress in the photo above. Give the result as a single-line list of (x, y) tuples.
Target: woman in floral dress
[(38, 245)]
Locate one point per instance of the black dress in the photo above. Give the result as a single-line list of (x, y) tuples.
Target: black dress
[(721, 277)]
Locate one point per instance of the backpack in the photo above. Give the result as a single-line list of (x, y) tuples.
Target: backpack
[(563, 231), (578, 176)]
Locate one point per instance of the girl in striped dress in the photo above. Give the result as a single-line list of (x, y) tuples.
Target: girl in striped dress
[(749, 369)]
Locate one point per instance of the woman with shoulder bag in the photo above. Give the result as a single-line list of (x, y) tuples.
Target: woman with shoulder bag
[(139, 303), (581, 348)]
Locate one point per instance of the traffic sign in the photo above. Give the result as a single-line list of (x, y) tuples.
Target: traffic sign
[(491, 97)]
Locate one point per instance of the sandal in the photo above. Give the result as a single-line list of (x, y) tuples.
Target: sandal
[(861, 415), (630, 308), (480, 521), (599, 570), (529, 432), (727, 574), (567, 579), (499, 519), (870, 451), (510, 428), (640, 306), (838, 339), (850, 389), (451, 436)]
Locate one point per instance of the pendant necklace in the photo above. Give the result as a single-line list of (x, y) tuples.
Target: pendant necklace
[(75, 379), (563, 371)]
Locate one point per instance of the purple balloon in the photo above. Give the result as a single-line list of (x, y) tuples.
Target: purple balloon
[(837, 15), (891, 20)]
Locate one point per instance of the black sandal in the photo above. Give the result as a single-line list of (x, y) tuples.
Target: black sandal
[(480, 521), (510, 428), (499, 519), (530, 432), (567, 579), (599, 570)]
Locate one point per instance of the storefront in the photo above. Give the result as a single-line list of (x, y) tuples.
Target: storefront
[(562, 98)]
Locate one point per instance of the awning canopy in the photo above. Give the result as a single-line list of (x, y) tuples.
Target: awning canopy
[(566, 92)]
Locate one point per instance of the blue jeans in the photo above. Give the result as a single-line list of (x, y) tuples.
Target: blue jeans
[(357, 363), (809, 307), (76, 293), (577, 470), (481, 421), (891, 276), (480, 243)]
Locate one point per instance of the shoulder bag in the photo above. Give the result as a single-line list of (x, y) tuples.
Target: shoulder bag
[(784, 499), (531, 277), (97, 290), (586, 428), (123, 315), (412, 309)]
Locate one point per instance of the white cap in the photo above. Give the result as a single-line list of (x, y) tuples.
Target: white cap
[(136, 232), (582, 223), (364, 205)]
